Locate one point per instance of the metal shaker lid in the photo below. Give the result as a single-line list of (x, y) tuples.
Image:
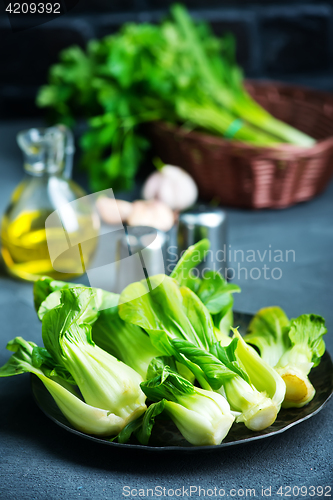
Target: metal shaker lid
[(204, 221), (141, 253)]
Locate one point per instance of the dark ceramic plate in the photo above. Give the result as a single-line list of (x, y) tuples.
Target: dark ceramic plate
[(166, 436)]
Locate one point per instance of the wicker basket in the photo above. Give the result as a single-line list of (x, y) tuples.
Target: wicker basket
[(242, 175)]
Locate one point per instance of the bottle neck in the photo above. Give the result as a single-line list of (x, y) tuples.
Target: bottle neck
[(40, 169), (45, 150)]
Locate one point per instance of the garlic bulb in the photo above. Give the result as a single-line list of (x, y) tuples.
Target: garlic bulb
[(151, 213), (173, 186), (110, 209)]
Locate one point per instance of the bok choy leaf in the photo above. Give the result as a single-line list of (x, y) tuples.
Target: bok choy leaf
[(125, 341), (167, 308), (212, 289), (267, 331)]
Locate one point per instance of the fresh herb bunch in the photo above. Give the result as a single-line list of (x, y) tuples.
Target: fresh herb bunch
[(177, 72)]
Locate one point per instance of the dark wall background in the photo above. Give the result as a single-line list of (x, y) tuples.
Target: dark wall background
[(286, 40)]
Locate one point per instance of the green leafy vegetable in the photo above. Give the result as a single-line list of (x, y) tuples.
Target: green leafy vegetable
[(216, 371), (42, 358), (267, 331), (215, 293), (167, 308), (305, 351), (223, 79), (125, 341), (43, 287), (212, 289), (182, 272), (99, 347), (291, 347), (262, 376), (307, 331), (142, 427), (47, 294)]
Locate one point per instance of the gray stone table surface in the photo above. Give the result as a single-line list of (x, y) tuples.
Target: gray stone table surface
[(41, 461)]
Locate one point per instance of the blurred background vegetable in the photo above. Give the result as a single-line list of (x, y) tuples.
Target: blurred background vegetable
[(173, 186), (178, 72)]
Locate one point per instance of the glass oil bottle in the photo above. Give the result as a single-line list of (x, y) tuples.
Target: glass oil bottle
[(46, 189)]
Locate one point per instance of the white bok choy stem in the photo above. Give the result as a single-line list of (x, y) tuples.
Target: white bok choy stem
[(261, 401), (226, 376), (264, 378), (203, 417), (82, 416), (258, 411)]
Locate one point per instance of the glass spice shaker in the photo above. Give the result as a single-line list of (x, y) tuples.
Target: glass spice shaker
[(47, 187)]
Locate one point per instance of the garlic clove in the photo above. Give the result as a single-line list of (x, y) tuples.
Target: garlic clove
[(172, 185), (167, 192), (185, 189), (151, 213), (110, 209), (151, 186)]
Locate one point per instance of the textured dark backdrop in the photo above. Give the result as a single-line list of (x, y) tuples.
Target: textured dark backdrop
[(283, 40)]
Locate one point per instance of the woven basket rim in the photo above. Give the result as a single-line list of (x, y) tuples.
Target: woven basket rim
[(214, 140), (285, 148), (285, 86)]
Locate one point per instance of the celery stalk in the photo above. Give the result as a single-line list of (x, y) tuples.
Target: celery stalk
[(236, 100)]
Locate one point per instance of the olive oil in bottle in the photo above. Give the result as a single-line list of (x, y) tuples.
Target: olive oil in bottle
[(25, 242)]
